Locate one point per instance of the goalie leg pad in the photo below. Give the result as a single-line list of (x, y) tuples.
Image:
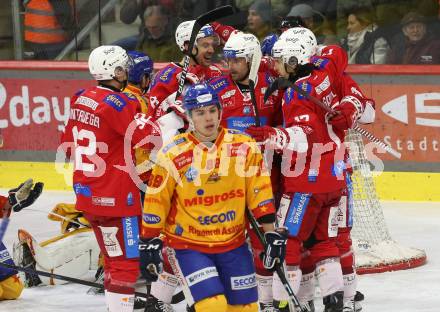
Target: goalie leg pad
[(72, 254)]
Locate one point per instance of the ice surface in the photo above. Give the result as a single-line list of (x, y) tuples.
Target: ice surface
[(410, 224)]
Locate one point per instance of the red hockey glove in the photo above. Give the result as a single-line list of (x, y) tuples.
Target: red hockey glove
[(346, 113), (223, 31), (275, 138)]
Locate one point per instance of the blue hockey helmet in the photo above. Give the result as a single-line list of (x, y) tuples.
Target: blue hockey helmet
[(200, 95), (142, 65)]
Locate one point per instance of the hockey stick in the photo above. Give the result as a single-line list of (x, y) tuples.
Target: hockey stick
[(60, 277), (253, 72), (201, 21), (286, 83), (278, 267), (60, 216)]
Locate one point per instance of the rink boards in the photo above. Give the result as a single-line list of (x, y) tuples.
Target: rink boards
[(34, 104)]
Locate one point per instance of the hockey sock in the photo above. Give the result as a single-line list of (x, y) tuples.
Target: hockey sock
[(265, 288), (350, 284), (119, 302), (294, 278), (329, 274), (164, 288), (306, 290)]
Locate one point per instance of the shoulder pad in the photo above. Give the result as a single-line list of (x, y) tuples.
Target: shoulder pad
[(306, 87), (320, 62), (219, 84), (79, 92), (117, 101), (165, 75), (177, 140)]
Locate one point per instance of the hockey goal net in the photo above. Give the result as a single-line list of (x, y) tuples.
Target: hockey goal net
[(375, 250)]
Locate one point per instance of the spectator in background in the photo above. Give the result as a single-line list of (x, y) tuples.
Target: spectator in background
[(419, 46), (364, 42), (130, 11), (316, 22), (157, 38), (259, 19), (48, 27)]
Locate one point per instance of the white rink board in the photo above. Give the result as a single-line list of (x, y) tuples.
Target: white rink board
[(410, 224)]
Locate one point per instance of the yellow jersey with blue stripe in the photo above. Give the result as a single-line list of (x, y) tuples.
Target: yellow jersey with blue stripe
[(197, 195)]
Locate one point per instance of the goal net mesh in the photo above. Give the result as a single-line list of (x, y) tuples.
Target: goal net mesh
[(375, 250)]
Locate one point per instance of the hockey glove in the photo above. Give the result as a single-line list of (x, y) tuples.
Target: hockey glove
[(275, 250), (150, 258), (346, 113), (274, 138), (24, 195)]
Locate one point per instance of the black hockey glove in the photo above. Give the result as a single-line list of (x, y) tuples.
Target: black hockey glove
[(24, 195), (150, 258), (275, 250)]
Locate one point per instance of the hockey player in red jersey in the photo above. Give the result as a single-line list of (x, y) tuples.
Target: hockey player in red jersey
[(197, 195), (239, 113), (346, 86), (102, 129), (314, 167), (162, 94)]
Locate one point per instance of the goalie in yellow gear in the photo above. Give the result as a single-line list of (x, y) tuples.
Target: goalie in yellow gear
[(72, 253)]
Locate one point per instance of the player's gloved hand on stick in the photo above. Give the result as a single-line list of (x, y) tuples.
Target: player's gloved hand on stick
[(275, 249), (150, 258), (275, 138), (346, 113), (24, 195)]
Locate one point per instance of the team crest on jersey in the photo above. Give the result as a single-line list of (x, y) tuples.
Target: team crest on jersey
[(116, 101), (246, 110), (191, 174)]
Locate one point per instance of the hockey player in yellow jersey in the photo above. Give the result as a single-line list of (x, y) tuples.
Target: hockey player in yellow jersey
[(197, 195)]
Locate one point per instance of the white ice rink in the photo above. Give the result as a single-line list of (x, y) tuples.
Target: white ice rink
[(411, 224)]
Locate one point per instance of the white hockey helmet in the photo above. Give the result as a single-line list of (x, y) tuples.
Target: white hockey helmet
[(103, 61), (240, 44), (183, 33), (295, 46)]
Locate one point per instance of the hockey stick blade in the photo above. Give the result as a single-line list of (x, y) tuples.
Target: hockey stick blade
[(201, 21)]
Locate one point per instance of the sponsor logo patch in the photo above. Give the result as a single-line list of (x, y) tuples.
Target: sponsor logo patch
[(243, 282)]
